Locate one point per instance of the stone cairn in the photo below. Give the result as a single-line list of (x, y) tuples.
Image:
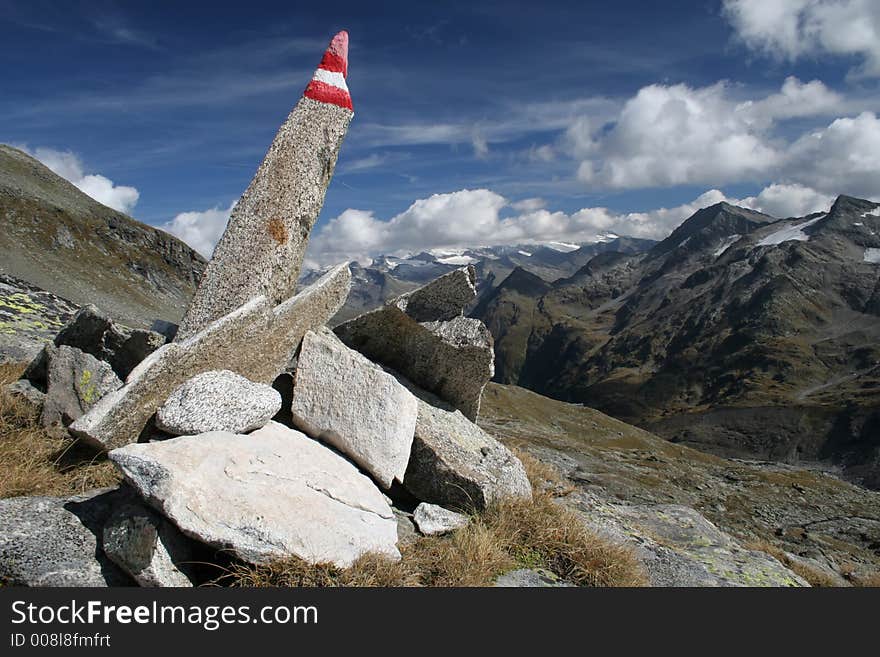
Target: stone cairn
[(257, 431)]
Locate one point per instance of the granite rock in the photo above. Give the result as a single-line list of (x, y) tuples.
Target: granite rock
[(434, 347), (454, 463), (218, 400), (56, 541), (343, 399), (262, 249), (267, 495), (147, 547), (75, 382), (256, 341), (93, 332), (432, 519)]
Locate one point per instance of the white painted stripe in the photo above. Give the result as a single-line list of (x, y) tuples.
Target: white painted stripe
[(330, 77)]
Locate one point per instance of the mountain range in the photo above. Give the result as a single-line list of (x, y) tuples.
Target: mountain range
[(740, 333)]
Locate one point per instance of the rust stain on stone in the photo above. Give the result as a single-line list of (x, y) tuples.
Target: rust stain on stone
[(277, 230)]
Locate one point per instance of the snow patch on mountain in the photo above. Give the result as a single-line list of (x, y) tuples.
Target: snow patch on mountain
[(457, 260), (563, 247), (790, 232), (872, 256), (726, 244)]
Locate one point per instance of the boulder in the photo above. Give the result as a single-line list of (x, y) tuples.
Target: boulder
[(432, 519), (75, 382), (93, 332), (147, 547), (423, 336), (25, 391), (218, 400), (262, 250), (56, 541), (456, 464), (256, 341), (268, 495), (343, 399), (442, 299)]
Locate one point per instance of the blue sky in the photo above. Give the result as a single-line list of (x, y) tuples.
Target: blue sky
[(527, 120)]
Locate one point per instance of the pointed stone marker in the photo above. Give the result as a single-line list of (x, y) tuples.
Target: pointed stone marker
[(262, 250)]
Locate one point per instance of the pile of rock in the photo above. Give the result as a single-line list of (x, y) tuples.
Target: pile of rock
[(213, 460)]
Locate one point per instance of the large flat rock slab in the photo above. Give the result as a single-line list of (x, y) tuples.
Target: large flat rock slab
[(343, 399), (262, 250), (56, 541), (255, 341), (267, 495), (423, 336)]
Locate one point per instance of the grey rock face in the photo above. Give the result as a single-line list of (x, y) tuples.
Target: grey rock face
[(93, 332), (29, 315), (25, 390), (680, 547), (348, 402), (456, 464), (530, 578), (147, 546), (434, 347), (442, 299), (75, 382), (256, 341), (262, 249), (55, 541), (432, 519), (266, 495), (218, 400)]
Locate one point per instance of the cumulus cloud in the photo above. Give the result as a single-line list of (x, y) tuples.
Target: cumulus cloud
[(781, 200), (792, 29), (70, 167), (677, 134), (840, 158), (481, 217), (200, 229)]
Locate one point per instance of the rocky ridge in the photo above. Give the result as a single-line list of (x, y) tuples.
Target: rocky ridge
[(740, 334)]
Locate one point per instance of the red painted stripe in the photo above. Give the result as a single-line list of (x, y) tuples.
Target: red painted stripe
[(334, 62), (327, 93)]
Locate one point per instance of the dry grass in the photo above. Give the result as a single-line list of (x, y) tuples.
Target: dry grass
[(515, 533), (814, 576), (871, 580), (544, 477), (34, 463)]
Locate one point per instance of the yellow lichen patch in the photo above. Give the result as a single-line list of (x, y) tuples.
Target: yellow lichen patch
[(20, 303), (87, 389)]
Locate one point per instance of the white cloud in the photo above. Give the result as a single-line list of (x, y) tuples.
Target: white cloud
[(840, 158), (676, 135), (792, 29), (200, 229), (70, 167), (469, 218), (529, 204), (780, 200), (673, 135)]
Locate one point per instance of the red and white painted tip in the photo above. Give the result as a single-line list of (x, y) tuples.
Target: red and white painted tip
[(328, 83)]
